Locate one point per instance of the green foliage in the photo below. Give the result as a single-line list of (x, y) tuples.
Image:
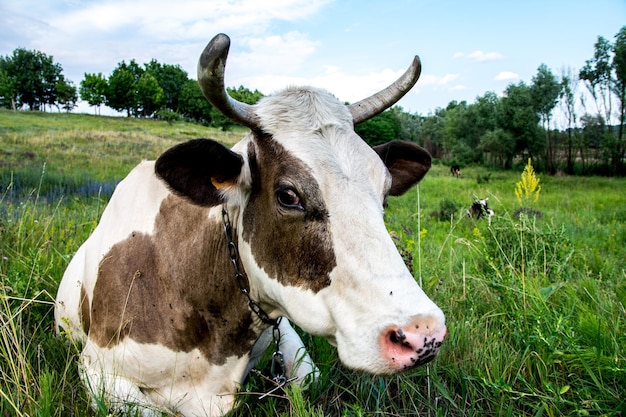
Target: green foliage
[(171, 79), (192, 103), (29, 78), (120, 93), (379, 129), (149, 95), (93, 89), (168, 115), (66, 94)]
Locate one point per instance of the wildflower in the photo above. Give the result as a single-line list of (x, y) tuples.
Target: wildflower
[(528, 188)]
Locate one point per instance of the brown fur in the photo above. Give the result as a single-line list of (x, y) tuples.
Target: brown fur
[(293, 246), (174, 288)]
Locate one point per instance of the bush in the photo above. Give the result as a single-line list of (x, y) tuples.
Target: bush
[(447, 210), (168, 115)]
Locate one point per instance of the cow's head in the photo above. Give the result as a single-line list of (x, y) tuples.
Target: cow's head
[(306, 194)]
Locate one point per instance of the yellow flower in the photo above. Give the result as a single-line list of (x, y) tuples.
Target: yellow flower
[(528, 188)]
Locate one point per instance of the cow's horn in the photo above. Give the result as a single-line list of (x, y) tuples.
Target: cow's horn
[(211, 67), (377, 103)]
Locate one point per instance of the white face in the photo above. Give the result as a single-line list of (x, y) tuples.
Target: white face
[(322, 256)]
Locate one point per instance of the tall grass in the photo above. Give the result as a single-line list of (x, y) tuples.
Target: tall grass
[(535, 306)]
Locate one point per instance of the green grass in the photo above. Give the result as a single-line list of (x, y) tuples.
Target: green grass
[(535, 306), (84, 154)]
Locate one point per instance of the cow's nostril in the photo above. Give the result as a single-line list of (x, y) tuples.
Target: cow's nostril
[(397, 336)]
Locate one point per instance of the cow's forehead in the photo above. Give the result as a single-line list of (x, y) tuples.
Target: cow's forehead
[(317, 129), (301, 109)]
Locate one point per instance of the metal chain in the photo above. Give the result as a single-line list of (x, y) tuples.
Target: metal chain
[(277, 368)]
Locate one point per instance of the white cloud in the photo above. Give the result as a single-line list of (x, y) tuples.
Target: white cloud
[(276, 53), (345, 86), (428, 80), (505, 76), (479, 56), (95, 36), (164, 19)]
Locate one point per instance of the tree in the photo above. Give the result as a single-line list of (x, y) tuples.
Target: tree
[(149, 95), (31, 77), (458, 133), (245, 95), (381, 128), (568, 96), (7, 87), (409, 124), (93, 90), (498, 146), (518, 117), (430, 133), (619, 66), (66, 94), (545, 91), (121, 93), (192, 104), (598, 78), (171, 79)]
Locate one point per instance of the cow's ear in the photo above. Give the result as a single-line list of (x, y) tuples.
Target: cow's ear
[(199, 169), (407, 163)]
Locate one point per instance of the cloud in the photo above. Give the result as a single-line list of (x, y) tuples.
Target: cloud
[(345, 86), (505, 76), (163, 19), (93, 36), (439, 81), (276, 54), (479, 56)]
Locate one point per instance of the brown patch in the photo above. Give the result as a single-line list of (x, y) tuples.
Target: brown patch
[(292, 245), (85, 317), (174, 288)]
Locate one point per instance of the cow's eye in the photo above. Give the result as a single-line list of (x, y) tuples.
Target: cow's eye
[(288, 198)]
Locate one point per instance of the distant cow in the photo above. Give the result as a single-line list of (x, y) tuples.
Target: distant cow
[(480, 209), (455, 170), (197, 255)]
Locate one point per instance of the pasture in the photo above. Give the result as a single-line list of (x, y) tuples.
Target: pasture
[(535, 305)]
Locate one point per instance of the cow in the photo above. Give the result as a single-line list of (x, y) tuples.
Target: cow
[(480, 209), (197, 256), (455, 170)]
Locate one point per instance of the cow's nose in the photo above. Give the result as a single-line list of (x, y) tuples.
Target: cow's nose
[(414, 344)]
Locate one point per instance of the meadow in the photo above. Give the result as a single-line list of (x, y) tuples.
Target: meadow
[(535, 303)]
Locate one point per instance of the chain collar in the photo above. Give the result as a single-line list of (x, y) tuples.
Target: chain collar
[(277, 369)]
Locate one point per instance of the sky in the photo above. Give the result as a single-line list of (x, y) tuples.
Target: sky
[(352, 48)]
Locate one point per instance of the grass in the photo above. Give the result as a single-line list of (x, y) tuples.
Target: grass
[(535, 306), (83, 154)]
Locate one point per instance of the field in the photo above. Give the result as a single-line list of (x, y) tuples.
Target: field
[(535, 304)]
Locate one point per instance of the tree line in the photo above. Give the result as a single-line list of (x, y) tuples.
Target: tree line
[(572, 122), (32, 80)]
